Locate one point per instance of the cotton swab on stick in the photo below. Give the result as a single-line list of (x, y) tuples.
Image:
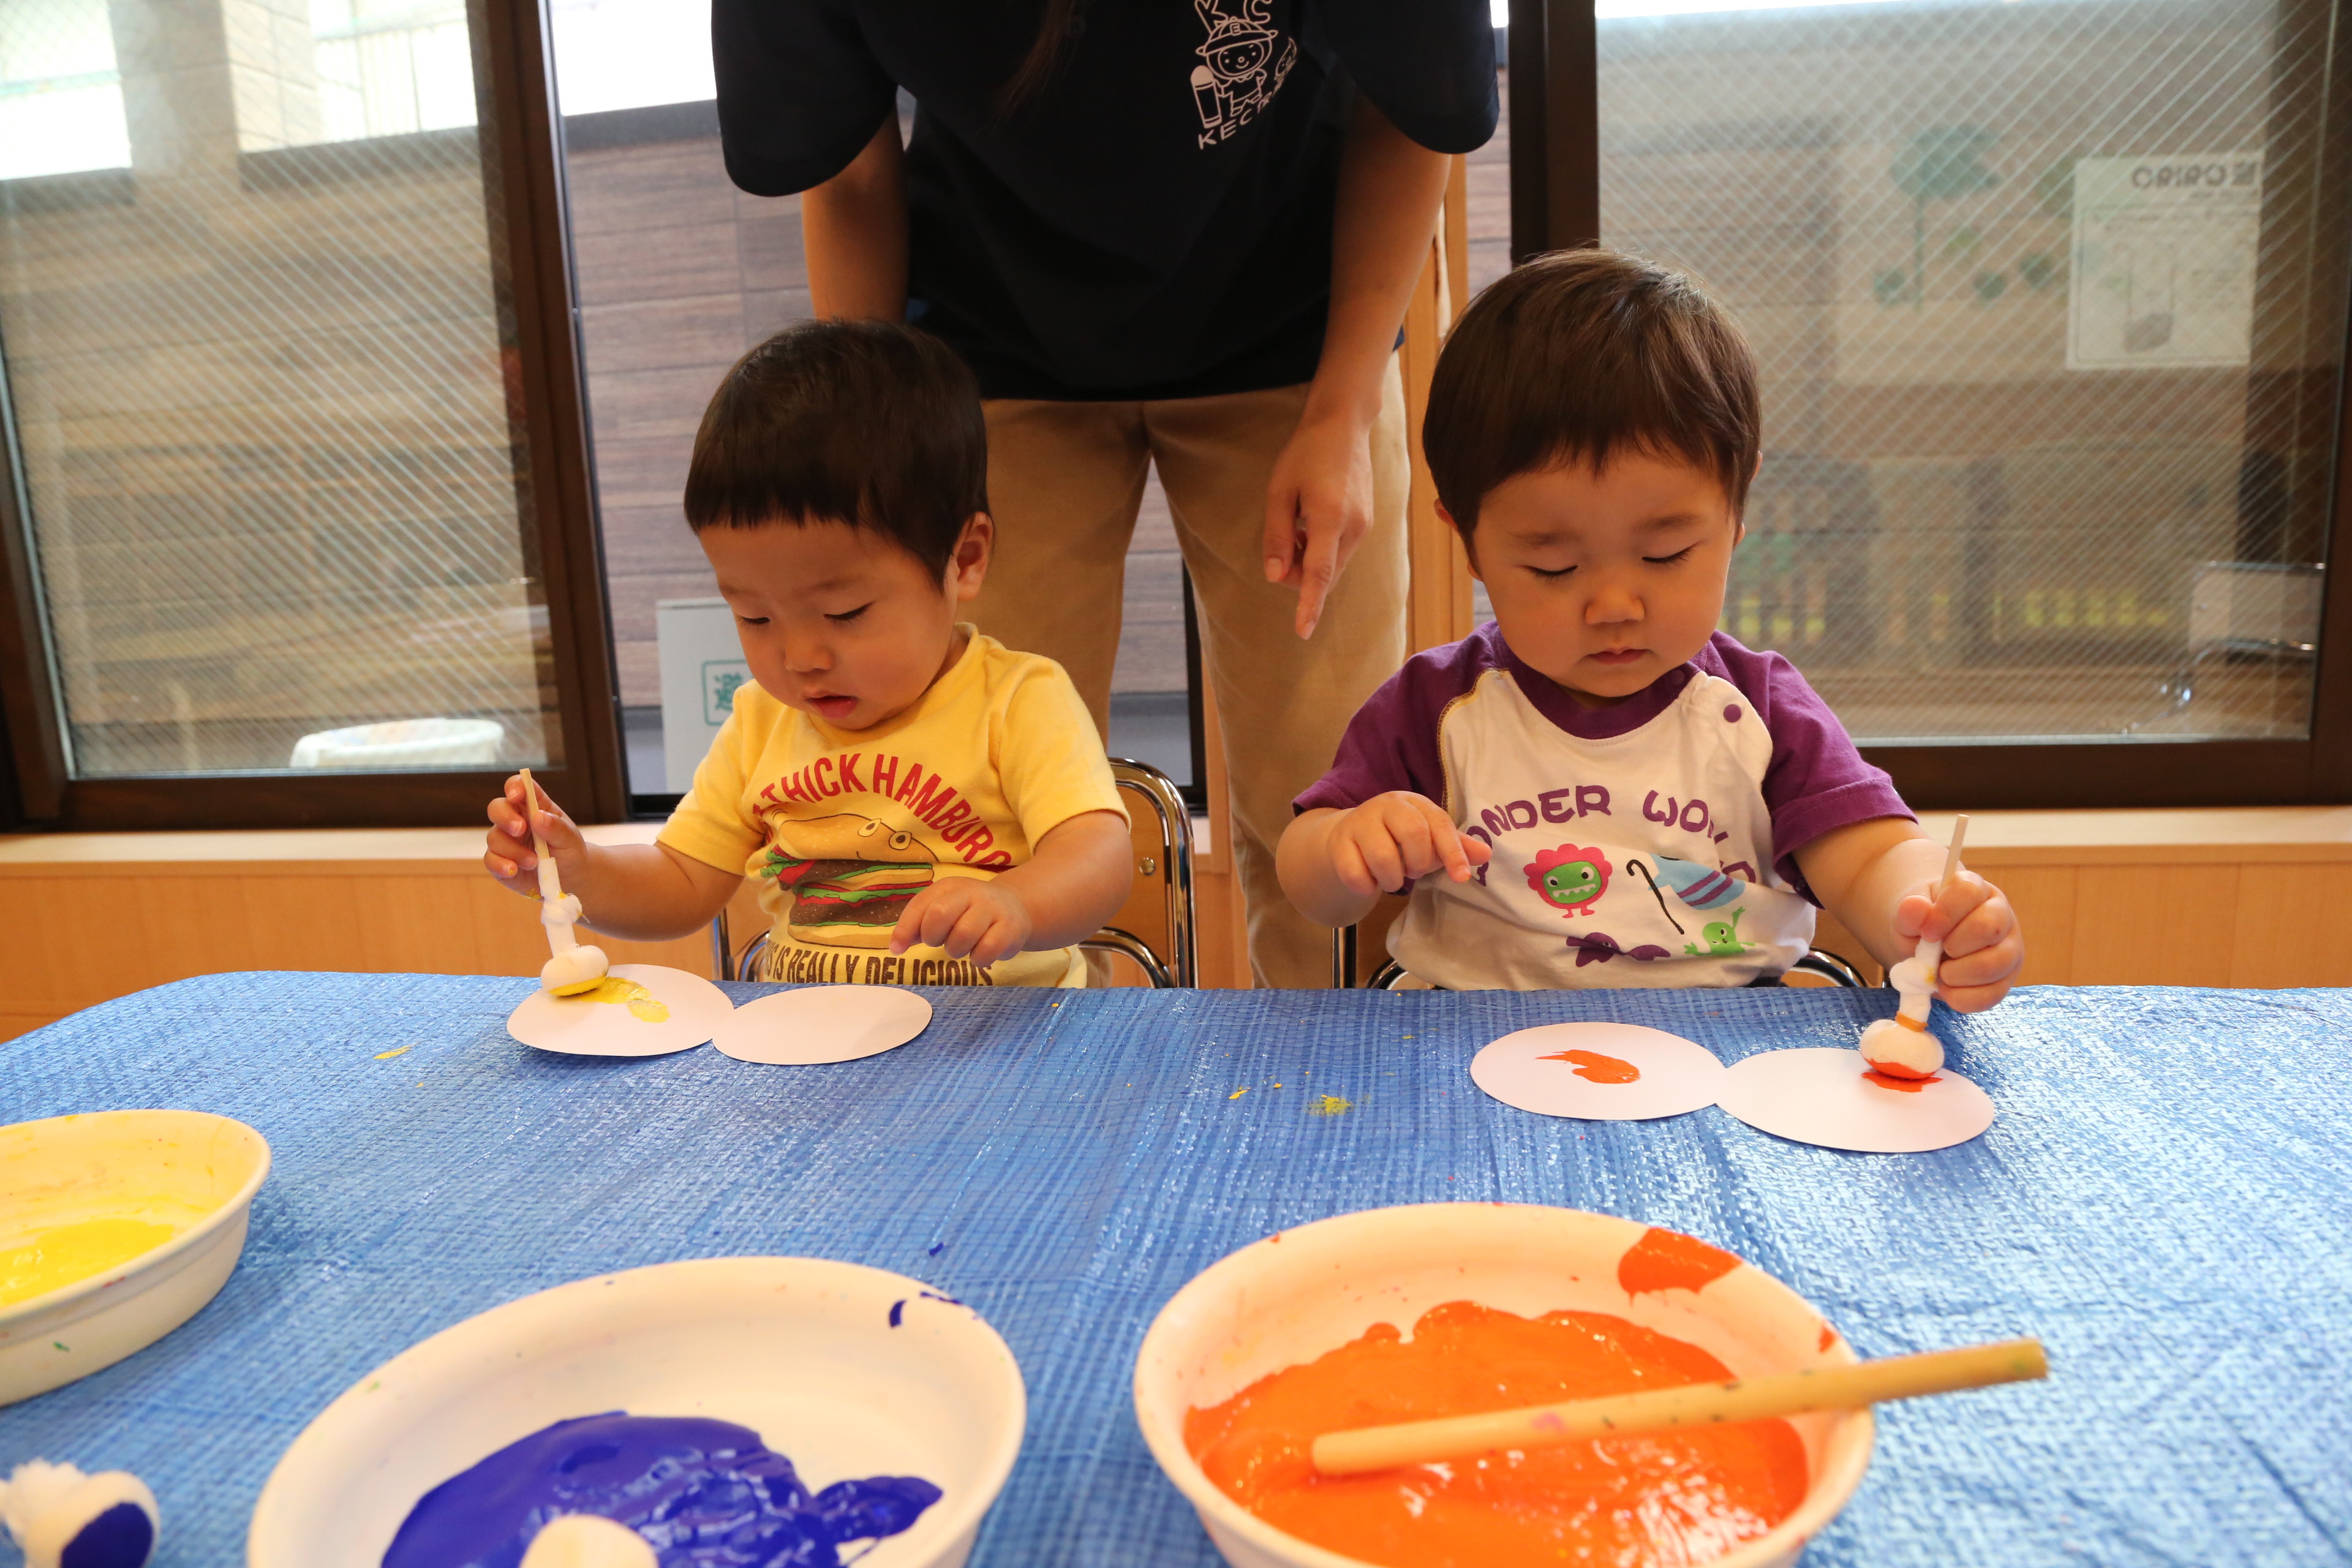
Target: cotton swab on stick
[(1901, 1046), (573, 966), (1671, 1409)]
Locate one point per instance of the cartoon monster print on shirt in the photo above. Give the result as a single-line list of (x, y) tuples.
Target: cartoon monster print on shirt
[(1243, 64), (1722, 939), (1570, 879)]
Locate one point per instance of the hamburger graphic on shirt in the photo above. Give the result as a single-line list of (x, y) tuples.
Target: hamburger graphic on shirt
[(851, 879)]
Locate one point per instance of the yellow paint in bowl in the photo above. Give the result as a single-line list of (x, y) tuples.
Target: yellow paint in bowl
[(55, 1258), (115, 1228)]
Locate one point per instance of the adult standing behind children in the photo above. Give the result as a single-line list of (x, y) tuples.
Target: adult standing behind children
[(1170, 234)]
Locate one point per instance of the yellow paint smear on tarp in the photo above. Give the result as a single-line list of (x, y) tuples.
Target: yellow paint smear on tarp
[(629, 993), (55, 1258), (1331, 1105)]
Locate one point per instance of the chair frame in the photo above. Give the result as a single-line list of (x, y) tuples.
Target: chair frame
[(1178, 968)]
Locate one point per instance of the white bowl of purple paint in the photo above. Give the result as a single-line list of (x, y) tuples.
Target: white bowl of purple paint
[(848, 1371)]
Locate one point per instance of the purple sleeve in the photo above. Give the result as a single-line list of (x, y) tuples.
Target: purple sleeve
[(1817, 780), (1391, 742)]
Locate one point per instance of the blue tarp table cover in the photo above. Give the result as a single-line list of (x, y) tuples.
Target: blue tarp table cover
[(2165, 1200)]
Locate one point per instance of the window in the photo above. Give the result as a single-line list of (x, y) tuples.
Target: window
[(60, 96), (2049, 298), (273, 481)]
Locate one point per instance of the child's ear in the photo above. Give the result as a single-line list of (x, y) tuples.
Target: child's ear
[(1468, 549), (969, 564)]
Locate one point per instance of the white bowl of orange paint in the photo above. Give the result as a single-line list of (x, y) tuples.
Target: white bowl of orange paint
[(1290, 1298), (116, 1226)]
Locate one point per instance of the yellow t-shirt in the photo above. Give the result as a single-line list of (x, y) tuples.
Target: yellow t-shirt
[(844, 827)]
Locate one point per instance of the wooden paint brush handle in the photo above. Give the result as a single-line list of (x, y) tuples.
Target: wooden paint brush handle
[(550, 886), (1697, 1405)]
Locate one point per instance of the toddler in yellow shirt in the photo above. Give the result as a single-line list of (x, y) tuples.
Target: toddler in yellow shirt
[(919, 804)]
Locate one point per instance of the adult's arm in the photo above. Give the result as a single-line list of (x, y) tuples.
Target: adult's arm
[(853, 231), (1318, 505)]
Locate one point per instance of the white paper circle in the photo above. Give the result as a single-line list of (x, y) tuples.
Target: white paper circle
[(1820, 1096), (1533, 1071), (820, 1024), (583, 1026)]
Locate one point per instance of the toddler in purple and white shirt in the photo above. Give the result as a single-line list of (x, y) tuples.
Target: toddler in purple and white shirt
[(1598, 787)]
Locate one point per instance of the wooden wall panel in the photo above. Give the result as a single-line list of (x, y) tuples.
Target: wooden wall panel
[(69, 942), (2045, 898), (2155, 925), (2294, 926)]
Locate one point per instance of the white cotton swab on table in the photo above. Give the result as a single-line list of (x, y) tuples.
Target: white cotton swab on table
[(57, 1515), (572, 966), (1671, 1409), (1901, 1046)]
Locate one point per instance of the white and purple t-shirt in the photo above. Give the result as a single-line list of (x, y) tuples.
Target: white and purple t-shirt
[(1649, 843)]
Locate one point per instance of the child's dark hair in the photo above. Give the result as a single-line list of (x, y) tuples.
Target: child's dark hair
[(1579, 356), (867, 423)]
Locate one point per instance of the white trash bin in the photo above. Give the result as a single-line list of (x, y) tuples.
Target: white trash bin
[(405, 743)]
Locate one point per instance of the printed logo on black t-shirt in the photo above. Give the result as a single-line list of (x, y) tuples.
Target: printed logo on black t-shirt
[(1243, 65)]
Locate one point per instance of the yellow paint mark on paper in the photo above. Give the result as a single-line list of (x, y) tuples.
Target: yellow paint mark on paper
[(387, 1055), (636, 998), (1237, 1094), (1331, 1105), (55, 1258)]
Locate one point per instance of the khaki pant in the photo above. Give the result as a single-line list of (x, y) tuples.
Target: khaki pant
[(1065, 481)]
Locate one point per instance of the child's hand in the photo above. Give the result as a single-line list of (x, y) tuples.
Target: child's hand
[(509, 857), (1376, 847), (1983, 949), (977, 918)]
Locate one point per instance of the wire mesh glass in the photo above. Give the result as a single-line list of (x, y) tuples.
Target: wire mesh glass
[(2048, 298), (259, 387)]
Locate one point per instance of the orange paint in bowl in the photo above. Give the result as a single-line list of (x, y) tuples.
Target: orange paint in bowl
[(1669, 1260), (1593, 1065), (1684, 1498)]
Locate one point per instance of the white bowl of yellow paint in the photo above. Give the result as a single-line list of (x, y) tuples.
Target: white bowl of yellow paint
[(115, 1228)]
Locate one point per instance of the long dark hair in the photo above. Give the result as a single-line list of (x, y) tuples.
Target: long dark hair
[(1060, 21)]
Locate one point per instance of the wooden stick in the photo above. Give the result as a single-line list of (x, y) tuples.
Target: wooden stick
[(1952, 855), (1697, 1405), (550, 886)]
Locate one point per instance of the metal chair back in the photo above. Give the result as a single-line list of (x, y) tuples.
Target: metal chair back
[(1154, 926)]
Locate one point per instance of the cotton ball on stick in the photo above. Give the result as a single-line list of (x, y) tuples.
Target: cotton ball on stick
[(573, 969), (1901, 1046), (59, 1516), (588, 1541)]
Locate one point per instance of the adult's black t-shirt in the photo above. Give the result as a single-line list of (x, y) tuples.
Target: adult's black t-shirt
[(1155, 221)]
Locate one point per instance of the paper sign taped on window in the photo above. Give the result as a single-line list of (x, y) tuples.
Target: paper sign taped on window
[(2164, 261)]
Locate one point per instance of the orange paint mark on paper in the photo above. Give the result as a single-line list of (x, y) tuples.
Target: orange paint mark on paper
[(1669, 1260), (1897, 1069), (1593, 1065), (1906, 1085), (1828, 1337), (1669, 1497)]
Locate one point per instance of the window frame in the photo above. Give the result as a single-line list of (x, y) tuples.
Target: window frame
[(1556, 204), (532, 269)]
